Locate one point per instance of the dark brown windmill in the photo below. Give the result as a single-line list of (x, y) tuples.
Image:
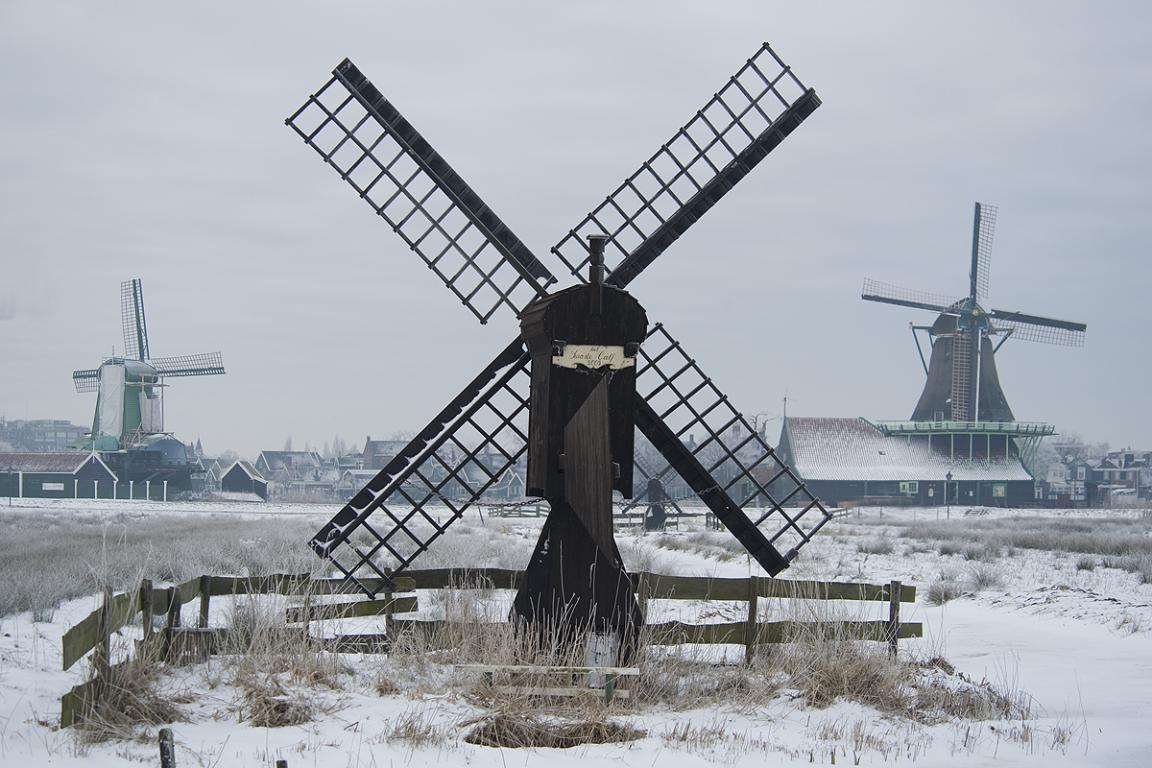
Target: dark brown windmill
[(586, 363)]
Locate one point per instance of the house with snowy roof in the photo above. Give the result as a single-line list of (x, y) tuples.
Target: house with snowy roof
[(855, 461)]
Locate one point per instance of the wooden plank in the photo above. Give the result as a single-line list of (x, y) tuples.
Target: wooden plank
[(122, 609), (708, 588), (359, 643), (80, 639), (622, 671), (78, 703), (679, 633), (484, 578), (159, 601), (530, 690), (85, 635), (296, 584), (326, 611), (188, 591)]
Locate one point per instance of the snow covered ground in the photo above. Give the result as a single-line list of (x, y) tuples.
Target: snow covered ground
[(1077, 640)]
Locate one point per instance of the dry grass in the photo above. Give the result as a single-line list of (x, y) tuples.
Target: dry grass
[(50, 557), (520, 729), (942, 590), (1111, 536), (131, 700), (267, 704), (878, 546)]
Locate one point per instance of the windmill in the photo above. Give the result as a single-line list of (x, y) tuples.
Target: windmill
[(130, 403), (962, 384), (392, 167)]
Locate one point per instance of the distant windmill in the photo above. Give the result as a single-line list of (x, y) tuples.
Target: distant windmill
[(962, 381), (129, 406)]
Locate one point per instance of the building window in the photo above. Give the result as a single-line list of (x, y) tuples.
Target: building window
[(910, 487), (999, 490), (52, 486)]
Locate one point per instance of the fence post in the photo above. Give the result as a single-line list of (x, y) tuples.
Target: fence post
[(893, 617), (103, 655), (389, 622), (172, 622), (750, 627), (167, 749), (643, 589), (146, 612), (205, 599)]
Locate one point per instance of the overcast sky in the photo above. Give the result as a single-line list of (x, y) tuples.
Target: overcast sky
[(146, 139)]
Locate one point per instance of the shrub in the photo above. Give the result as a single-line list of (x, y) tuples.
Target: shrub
[(941, 591), (984, 577), (875, 547), (1086, 563)]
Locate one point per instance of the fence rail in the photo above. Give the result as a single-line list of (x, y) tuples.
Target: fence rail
[(117, 611)]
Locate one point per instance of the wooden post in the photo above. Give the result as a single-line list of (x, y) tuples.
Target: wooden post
[(172, 622), (103, 655), (167, 749), (307, 611), (205, 599), (389, 623), (146, 612), (750, 627), (643, 590), (893, 617)]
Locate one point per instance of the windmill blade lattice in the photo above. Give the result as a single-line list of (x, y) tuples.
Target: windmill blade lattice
[(87, 380), (741, 464), (396, 171), (1043, 334), (747, 118), (450, 464), (132, 320), (886, 293), (209, 364), (983, 231)]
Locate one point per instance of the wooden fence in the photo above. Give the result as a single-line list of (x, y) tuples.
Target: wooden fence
[(94, 632)]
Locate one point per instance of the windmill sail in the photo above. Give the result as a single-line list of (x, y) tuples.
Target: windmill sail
[(755, 110), (132, 320), (411, 186), (407, 183)]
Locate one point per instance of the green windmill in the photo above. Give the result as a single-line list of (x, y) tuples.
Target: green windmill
[(130, 389)]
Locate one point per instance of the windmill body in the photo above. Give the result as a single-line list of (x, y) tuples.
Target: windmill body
[(128, 423), (568, 389), (950, 352)]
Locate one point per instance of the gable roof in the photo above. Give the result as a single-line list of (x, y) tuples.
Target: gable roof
[(246, 468), (68, 462), (853, 449), (288, 459)]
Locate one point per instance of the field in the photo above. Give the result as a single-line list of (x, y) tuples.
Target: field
[(1037, 649)]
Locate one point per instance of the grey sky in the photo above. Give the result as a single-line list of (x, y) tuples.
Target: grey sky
[(145, 139)]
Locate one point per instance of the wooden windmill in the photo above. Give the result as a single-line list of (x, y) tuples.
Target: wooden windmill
[(586, 364)]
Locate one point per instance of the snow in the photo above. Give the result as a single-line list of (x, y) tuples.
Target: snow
[(1057, 633)]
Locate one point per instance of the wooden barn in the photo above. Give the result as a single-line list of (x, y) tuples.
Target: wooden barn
[(71, 475), (242, 477), (855, 461)]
